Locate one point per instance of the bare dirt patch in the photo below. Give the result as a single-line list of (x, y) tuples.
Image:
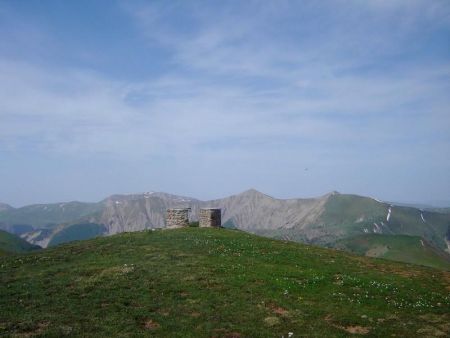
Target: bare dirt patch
[(279, 310), (271, 321), (437, 323), (356, 329), (150, 324), (38, 330), (353, 329), (431, 331), (434, 318)]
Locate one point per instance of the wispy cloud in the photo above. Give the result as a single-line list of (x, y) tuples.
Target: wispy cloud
[(86, 112), (308, 83)]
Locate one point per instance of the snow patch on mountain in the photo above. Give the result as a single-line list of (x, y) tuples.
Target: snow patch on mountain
[(388, 216), (377, 229), (423, 219)]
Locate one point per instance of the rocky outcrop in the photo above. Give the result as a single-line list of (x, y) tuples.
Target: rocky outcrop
[(140, 211), (255, 210), (39, 237)]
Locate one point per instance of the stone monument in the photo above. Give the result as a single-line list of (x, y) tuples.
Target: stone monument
[(210, 217), (177, 218)]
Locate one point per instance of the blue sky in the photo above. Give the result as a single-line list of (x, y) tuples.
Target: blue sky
[(210, 98)]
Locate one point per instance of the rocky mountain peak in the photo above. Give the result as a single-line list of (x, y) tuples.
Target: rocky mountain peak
[(253, 193)]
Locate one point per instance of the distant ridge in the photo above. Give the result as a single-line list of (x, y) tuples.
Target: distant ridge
[(4, 207), (323, 220)]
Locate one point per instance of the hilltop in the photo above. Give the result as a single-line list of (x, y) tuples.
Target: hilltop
[(195, 282)]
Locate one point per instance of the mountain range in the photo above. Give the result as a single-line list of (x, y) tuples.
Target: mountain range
[(325, 220)]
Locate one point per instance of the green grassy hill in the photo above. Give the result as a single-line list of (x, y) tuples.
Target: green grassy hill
[(10, 243), (410, 249), (196, 282)]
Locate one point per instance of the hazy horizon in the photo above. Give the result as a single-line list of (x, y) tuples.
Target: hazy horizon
[(208, 99), (431, 203)]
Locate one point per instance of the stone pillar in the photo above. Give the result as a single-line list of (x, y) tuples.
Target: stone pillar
[(210, 217), (177, 218)]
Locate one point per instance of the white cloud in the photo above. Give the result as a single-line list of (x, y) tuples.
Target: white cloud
[(68, 110), (247, 89)]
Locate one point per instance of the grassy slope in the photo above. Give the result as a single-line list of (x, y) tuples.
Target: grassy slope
[(48, 215), (346, 216), (197, 282), (396, 247), (13, 244), (346, 209), (338, 220), (343, 211), (77, 232)]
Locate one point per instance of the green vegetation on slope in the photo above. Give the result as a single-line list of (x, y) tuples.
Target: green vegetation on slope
[(347, 209), (407, 221), (410, 249), (13, 244), (351, 215), (77, 232), (343, 216), (48, 215), (198, 282)]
